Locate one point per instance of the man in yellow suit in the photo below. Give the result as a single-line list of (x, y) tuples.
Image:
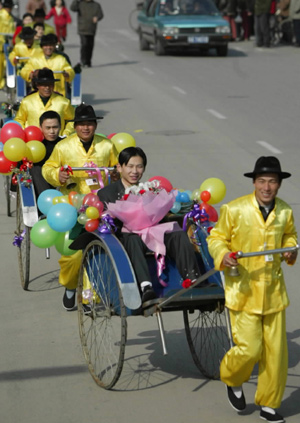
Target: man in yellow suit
[(77, 150), (44, 99), (7, 26), (256, 297), (25, 48), (48, 58)]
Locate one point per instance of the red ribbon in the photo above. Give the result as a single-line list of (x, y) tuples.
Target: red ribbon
[(67, 169)]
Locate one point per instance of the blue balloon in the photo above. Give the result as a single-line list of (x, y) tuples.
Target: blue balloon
[(176, 207), (62, 217), (45, 200), (13, 121), (177, 198), (190, 194), (184, 197), (1, 146)]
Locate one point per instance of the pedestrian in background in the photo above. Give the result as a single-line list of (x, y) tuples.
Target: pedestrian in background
[(89, 13), (61, 18), (262, 25), (295, 16)]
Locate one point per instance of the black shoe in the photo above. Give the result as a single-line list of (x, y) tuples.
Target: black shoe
[(274, 418), (148, 294), (68, 303), (239, 404)]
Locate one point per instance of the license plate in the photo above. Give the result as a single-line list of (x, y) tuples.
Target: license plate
[(199, 40)]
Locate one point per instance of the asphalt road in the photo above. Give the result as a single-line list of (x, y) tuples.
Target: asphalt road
[(196, 117)]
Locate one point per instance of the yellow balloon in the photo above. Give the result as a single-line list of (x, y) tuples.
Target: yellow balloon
[(63, 199), (14, 149), (92, 213), (37, 150), (216, 187), (122, 140), (55, 200), (195, 195)]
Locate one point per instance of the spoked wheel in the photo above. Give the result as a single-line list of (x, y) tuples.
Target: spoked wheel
[(103, 329), (7, 194), (24, 248), (207, 337)]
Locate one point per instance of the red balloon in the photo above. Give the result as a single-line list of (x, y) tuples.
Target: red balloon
[(33, 133), (111, 135), (90, 199), (6, 165), (99, 206), (91, 225), (211, 211), (205, 196), (12, 130), (163, 182)]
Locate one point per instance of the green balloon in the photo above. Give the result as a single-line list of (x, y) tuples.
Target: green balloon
[(42, 235), (62, 244)]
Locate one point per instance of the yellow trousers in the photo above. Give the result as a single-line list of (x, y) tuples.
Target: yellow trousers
[(259, 339)]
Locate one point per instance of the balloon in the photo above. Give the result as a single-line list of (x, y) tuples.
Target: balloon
[(33, 133), (71, 195), (210, 210), (77, 200), (1, 146), (216, 187), (184, 197), (42, 235), (56, 200), (205, 196), (102, 135), (14, 149), (12, 130), (92, 213), (189, 192), (63, 199), (13, 121), (195, 195), (91, 225), (176, 207), (62, 244), (99, 206), (37, 150), (163, 182), (90, 199), (6, 165), (111, 135), (62, 217), (122, 140), (82, 219), (45, 200)]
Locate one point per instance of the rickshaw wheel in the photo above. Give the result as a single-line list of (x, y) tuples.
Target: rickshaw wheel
[(207, 337), (103, 328), (24, 249)]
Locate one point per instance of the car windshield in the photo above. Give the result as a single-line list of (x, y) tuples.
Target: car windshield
[(187, 7)]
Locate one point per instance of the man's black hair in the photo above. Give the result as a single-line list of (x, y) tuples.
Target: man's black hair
[(50, 114), (129, 152), (26, 15), (39, 24)]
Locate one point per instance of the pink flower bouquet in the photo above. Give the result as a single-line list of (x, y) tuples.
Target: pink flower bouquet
[(139, 212)]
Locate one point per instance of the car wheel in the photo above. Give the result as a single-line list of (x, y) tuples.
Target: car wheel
[(144, 45), (159, 49), (222, 51)]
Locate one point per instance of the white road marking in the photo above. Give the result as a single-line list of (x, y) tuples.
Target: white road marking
[(216, 114), (269, 147), (149, 71), (179, 90)]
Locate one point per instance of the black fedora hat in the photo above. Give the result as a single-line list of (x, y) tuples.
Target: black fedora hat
[(84, 112), (45, 76), (48, 40), (27, 33), (39, 13), (267, 164), (8, 3)]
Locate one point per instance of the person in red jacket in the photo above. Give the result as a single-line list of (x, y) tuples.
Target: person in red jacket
[(61, 19)]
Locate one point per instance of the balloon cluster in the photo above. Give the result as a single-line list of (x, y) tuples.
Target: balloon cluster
[(61, 213), (18, 143)]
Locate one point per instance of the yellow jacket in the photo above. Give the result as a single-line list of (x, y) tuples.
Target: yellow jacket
[(32, 107), (7, 24), (21, 50), (260, 288), (71, 152), (56, 62)]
